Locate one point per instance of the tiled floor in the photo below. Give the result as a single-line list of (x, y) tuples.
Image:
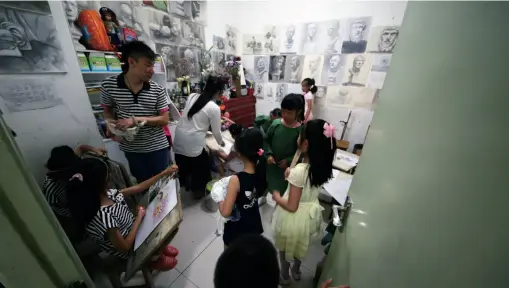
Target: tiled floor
[(200, 248)]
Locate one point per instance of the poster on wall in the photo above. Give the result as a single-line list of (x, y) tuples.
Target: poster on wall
[(357, 69), (270, 92), (261, 69), (169, 54), (332, 38), (252, 44), (312, 34), (357, 33), (233, 40), (313, 65), (277, 68), (383, 39), (271, 40), (23, 94), (333, 69), (29, 41), (293, 68), (281, 91), (290, 39), (219, 43)]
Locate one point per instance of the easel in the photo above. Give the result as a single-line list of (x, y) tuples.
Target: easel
[(340, 143)]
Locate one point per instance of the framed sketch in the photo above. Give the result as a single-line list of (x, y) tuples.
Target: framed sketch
[(181, 8), (193, 34), (333, 69), (169, 54), (29, 42), (357, 35), (271, 39), (381, 62), (281, 92), (320, 96), (290, 39), (261, 69), (198, 11), (331, 39), (188, 63), (219, 43), (164, 28), (313, 65), (310, 38), (233, 38), (277, 68), (383, 39), (252, 44), (357, 69), (293, 68), (259, 90)]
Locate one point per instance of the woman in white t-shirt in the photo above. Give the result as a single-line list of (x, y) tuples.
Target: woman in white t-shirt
[(201, 112), (309, 88)]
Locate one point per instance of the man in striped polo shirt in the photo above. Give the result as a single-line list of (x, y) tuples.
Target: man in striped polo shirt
[(132, 93)]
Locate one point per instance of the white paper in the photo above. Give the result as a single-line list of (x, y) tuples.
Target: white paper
[(228, 145), (350, 160), (24, 94), (159, 208), (338, 186)]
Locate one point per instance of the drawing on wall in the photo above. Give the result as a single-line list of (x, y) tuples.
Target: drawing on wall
[(376, 79), (358, 32), (29, 43), (375, 100), (271, 40), (259, 90), (290, 39), (193, 34), (381, 62), (198, 13), (313, 65), (252, 44), (281, 91), (188, 63), (248, 64), (277, 68), (383, 39), (332, 40), (23, 94), (218, 58), (71, 13), (180, 8), (293, 68), (350, 97), (164, 28), (310, 38), (169, 55), (357, 69), (261, 69), (362, 97), (320, 96), (294, 88), (232, 39), (35, 6), (333, 69), (338, 96), (218, 42)]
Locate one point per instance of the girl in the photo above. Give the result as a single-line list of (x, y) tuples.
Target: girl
[(281, 141), (230, 160), (241, 202), (298, 214), (201, 112), (309, 88), (104, 214)]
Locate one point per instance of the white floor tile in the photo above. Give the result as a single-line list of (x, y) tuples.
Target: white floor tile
[(196, 232), (165, 279), (201, 272), (183, 282)]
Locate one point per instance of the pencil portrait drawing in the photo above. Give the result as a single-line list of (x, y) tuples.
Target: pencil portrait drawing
[(310, 39), (358, 31), (293, 68), (383, 39), (333, 38), (277, 68), (313, 67), (271, 40), (261, 68), (332, 69), (358, 66), (281, 91)]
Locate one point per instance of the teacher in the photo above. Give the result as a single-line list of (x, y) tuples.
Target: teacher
[(200, 113)]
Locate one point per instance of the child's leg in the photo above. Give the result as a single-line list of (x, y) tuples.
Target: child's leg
[(296, 269), (285, 268)]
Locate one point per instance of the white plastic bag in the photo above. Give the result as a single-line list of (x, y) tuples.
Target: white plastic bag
[(218, 194)]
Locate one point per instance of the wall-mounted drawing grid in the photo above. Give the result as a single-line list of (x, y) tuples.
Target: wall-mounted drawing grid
[(357, 69), (333, 69), (357, 33), (252, 44), (313, 65), (383, 39), (277, 68), (271, 40), (261, 69), (293, 68)]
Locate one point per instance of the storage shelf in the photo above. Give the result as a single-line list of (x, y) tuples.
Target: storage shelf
[(110, 72)]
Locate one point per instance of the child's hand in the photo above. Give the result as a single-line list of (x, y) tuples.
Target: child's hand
[(172, 169), (283, 164), (271, 160), (276, 195), (287, 172), (100, 151), (140, 212)]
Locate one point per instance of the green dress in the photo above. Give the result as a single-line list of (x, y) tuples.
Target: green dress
[(281, 143)]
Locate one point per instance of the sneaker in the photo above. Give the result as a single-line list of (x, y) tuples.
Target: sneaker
[(170, 251), (164, 263)]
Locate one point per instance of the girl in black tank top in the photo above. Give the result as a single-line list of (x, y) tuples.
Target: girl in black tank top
[(241, 202)]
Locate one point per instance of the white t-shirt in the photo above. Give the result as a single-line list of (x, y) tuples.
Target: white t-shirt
[(308, 96), (190, 133)]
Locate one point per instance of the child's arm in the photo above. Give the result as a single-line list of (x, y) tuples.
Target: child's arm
[(87, 148), (147, 183), (231, 156), (226, 206), (126, 244), (268, 143), (292, 204)]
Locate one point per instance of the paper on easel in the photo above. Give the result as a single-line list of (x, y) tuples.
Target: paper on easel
[(159, 208), (338, 186)]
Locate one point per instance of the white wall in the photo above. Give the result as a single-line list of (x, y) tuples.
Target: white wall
[(251, 16), (71, 123)]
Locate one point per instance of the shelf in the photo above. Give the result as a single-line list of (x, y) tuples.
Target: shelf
[(97, 51), (110, 73)]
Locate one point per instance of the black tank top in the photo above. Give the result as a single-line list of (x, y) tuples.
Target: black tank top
[(245, 218)]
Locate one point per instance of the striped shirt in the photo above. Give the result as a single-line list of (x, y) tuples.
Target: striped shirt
[(150, 101), (116, 216), (56, 195)]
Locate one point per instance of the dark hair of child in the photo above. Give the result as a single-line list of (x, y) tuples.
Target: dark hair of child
[(135, 49), (248, 145), (294, 102), (212, 87), (311, 82), (84, 194), (320, 151), (276, 113), (248, 256), (62, 163), (235, 130)]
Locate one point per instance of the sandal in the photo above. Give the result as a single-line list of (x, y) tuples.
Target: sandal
[(170, 251), (295, 273), (164, 263)]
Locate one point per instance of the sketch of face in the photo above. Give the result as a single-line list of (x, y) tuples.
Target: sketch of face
[(357, 30), (279, 62), (311, 31), (334, 63), (290, 32), (295, 63), (71, 9), (332, 31), (388, 39), (358, 62), (260, 64), (313, 64), (259, 89)]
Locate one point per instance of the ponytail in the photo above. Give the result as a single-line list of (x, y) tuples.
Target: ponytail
[(213, 86), (312, 84), (249, 144)]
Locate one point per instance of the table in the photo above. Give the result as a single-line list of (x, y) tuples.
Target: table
[(345, 161), (160, 236)]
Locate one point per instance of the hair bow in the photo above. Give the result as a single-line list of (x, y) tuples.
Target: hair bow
[(329, 131), (77, 176), (260, 152)]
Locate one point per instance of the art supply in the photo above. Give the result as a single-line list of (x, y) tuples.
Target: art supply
[(112, 63), (160, 207), (83, 62)]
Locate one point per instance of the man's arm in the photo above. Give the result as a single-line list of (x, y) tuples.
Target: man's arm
[(162, 106), (107, 104)]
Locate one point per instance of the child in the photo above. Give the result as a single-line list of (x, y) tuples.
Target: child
[(240, 205), (281, 141), (104, 214), (298, 214), (309, 88), (263, 122), (231, 159)]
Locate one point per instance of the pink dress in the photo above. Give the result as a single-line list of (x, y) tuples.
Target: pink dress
[(308, 96)]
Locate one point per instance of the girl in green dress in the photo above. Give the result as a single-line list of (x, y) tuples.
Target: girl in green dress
[(281, 141)]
